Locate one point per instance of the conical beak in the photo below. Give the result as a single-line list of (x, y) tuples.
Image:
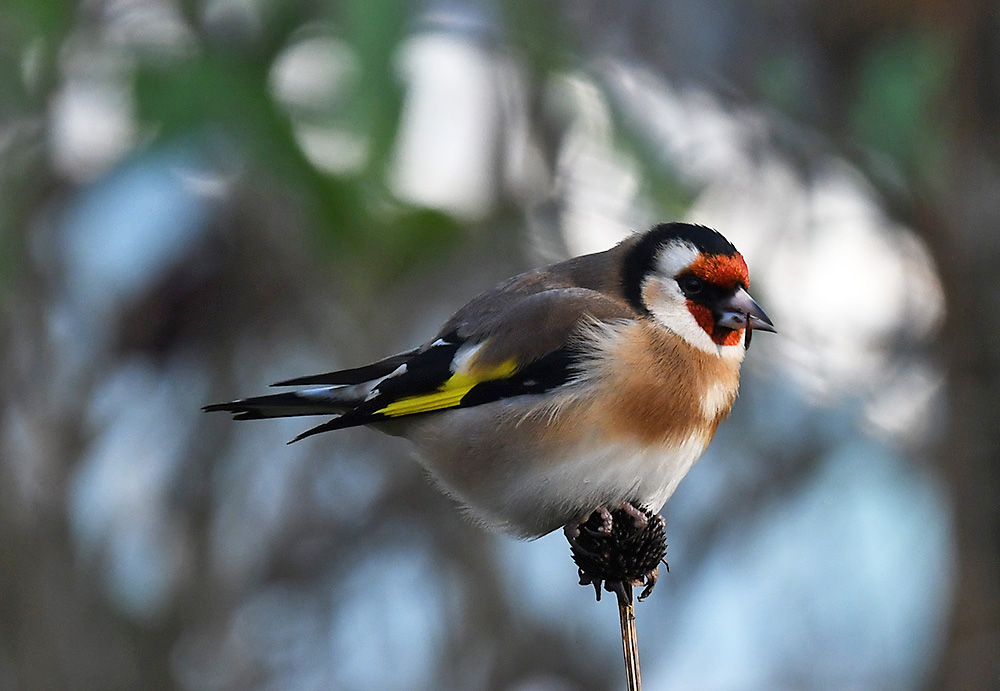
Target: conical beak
[(740, 312)]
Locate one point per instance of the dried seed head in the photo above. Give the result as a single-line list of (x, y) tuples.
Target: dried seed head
[(628, 555)]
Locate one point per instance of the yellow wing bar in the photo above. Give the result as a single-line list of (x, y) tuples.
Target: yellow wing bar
[(449, 394)]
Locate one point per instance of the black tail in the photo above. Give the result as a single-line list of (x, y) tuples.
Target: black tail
[(291, 404), (358, 375)]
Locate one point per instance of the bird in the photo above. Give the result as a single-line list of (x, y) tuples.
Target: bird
[(587, 385)]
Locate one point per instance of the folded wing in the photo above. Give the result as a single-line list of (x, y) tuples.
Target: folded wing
[(528, 348)]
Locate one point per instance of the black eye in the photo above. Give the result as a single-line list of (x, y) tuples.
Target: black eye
[(691, 285)]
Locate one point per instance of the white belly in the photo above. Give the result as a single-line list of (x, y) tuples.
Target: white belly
[(511, 487), (572, 487)]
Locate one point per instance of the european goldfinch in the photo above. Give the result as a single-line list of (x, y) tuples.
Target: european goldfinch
[(590, 384)]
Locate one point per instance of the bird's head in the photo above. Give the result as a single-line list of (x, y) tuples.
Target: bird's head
[(692, 280)]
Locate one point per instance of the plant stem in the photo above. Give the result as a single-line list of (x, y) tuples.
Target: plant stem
[(630, 640)]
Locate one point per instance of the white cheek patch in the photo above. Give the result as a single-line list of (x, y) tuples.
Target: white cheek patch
[(665, 301), (663, 298)]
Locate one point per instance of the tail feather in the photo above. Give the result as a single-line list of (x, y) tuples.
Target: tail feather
[(290, 404), (358, 375)]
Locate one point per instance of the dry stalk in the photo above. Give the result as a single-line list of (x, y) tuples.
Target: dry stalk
[(618, 550)]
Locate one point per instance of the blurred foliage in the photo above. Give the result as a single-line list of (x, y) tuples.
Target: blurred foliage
[(541, 36), (31, 34), (882, 79), (901, 98), (375, 29), (227, 85), (782, 81)]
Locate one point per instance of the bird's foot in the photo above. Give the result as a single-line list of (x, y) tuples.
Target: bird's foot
[(607, 520), (607, 524), (581, 537), (649, 580), (637, 514)]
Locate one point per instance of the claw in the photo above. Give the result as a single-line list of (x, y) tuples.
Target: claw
[(650, 582)]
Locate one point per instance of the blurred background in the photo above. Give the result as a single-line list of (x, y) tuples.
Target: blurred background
[(201, 197)]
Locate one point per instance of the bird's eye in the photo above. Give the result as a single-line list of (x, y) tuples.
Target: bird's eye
[(691, 285)]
